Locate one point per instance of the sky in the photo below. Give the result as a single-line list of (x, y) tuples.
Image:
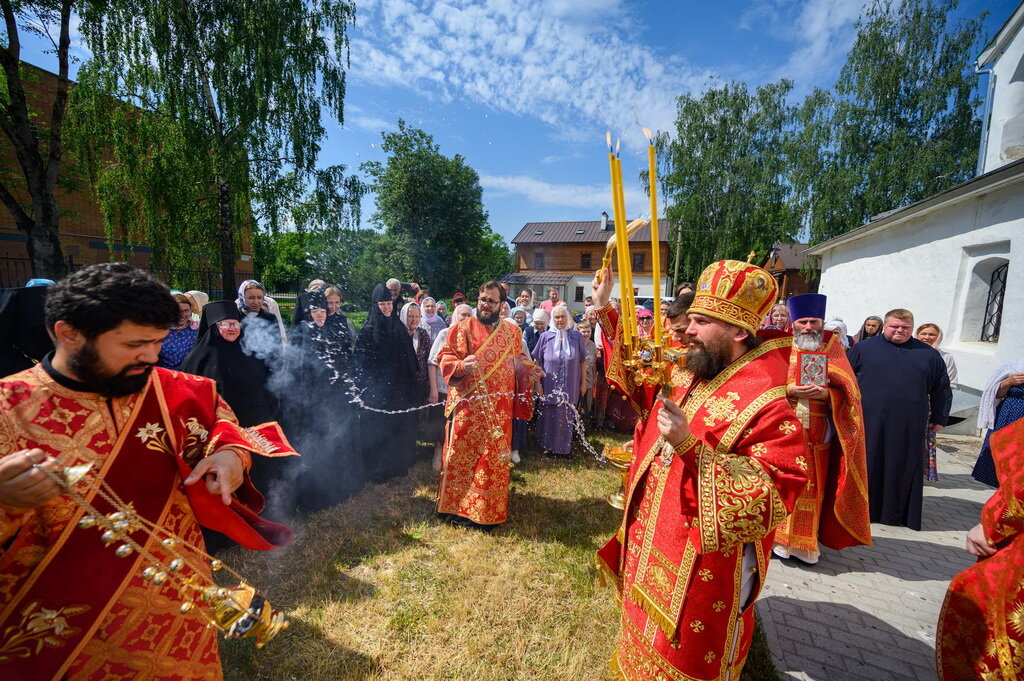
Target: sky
[(524, 90)]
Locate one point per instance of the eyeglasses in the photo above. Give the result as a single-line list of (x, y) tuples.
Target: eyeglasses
[(229, 325), (487, 301)]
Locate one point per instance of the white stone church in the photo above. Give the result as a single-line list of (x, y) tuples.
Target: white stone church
[(955, 259)]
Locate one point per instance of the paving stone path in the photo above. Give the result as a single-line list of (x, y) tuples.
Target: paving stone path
[(869, 613)]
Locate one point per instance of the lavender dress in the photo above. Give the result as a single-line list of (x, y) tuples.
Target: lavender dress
[(563, 366)]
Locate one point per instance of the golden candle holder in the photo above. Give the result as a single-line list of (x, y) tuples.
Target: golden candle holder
[(647, 363), (620, 458)]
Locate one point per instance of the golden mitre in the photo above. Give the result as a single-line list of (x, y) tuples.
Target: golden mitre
[(735, 292)]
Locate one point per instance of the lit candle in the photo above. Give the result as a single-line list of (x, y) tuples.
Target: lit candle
[(626, 277), (652, 178), (620, 241)]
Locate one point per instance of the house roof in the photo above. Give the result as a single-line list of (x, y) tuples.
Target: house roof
[(1003, 37), (1007, 174), (586, 231), (538, 278), (791, 256)]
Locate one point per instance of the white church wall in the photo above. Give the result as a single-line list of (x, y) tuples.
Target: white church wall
[(937, 266), (1006, 124)]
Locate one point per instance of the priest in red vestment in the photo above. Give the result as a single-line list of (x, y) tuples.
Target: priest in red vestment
[(483, 362), (833, 508), (715, 470), (981, 626), (163, 441)]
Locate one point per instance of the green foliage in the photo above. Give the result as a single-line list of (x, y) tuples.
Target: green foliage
[(726, 181), (900, 124), (431, 208), (231, 95)]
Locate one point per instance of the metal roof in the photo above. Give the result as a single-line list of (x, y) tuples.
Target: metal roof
[(791, 256), (587, 231), (539, 278)]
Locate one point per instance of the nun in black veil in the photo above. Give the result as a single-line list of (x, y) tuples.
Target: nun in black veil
[(385, 364), (318, 415), (242, 380)]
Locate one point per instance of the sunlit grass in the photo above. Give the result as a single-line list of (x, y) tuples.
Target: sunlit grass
[(379, 589)]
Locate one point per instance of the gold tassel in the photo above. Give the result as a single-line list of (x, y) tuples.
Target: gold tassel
[(647, 605)]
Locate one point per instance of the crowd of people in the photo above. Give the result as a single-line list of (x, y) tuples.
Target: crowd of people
[(772, 429)]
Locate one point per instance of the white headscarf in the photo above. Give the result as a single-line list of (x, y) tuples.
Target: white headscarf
[(561, 335), (989, 403), (404, 316), (541, 315), (838, 327)]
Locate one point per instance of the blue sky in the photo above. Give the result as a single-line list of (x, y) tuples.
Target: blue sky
[(525, 89)]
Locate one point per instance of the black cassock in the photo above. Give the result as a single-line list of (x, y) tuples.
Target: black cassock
[(900, 384)]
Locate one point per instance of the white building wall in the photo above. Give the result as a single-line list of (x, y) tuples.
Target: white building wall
[(1006, 122), (937, 266)]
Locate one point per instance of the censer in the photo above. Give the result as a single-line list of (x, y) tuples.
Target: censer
[(239, 611)]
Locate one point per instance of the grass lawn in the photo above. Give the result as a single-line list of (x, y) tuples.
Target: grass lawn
[(379, 589)]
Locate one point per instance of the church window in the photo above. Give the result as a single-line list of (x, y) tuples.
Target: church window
[(994, 305)]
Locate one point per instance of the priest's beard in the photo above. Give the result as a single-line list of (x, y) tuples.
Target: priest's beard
[(89, 369), (808, 341), (488, 320), (706, 360)]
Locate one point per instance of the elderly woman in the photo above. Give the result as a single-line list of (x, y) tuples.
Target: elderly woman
[(386, 364), (871, 326), (439, 387), (180, 338), (421, 343), (540, 324), (562, 354), (777, 318), (432, 320), (252, 301), (519, 317)]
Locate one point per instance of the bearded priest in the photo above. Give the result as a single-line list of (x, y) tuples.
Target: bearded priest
[(833, 508), (163, 441), (715, 470)]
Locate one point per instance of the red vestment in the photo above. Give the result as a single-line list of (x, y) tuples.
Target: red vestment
[(833, 508), (69, 608), (981, 626), (678, 556), (475, 465)]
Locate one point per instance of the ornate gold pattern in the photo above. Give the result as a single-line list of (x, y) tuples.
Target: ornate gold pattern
[(720, 409), (39, 628)]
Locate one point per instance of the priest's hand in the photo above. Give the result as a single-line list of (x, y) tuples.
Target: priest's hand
[(469, 364), (977, 543), (601, 287), (223, 472), (812, 392), (672, 422), (23, 484)]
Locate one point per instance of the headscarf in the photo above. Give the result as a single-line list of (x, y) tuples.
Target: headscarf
[(561, 341), (541, 315), (404, 316), (838, 327), (455, 313), (860, 334), (199, 301), (433, 319), (442, 309), (385, 357), (240, 301), (526, 316), (241, 379), (989, 402)]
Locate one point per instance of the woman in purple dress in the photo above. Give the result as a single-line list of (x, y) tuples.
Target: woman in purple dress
[(561, 354)]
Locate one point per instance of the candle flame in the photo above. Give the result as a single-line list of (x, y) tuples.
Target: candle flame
[(618, 144), (647, 134), (608, 139)]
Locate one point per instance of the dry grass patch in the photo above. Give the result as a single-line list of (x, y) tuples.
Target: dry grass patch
[(379, 589)]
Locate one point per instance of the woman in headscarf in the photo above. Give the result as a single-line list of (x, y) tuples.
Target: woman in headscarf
[(439, 387), (337, 318), (519, 317), (932, 335), (198, 299), (320, 420), (432, 318), (1002, 403), (181, 338), (413, 320), (838, 327), (442, 312), (243, 381), (386, 379), (777, 318), (871, 326), (560, 352), (252, 301)]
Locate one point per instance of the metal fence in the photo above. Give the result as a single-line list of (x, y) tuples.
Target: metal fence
[(17, 271)]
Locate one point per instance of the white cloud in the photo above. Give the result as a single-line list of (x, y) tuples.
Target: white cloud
[(369, 123), (592, 198), (572, 65), (821, 32)]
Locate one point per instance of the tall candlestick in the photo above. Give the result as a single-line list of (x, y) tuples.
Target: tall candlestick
[(652, 178), (620, 242), (626, 277)]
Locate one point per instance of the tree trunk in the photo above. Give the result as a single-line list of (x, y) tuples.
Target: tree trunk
[(679, 248), (227, 239)]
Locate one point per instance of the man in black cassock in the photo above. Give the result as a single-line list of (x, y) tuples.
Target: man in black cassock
[(905, 391)]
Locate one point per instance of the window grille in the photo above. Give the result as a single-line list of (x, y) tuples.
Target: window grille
[(994, 305), (579, 294), (584, 261)]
